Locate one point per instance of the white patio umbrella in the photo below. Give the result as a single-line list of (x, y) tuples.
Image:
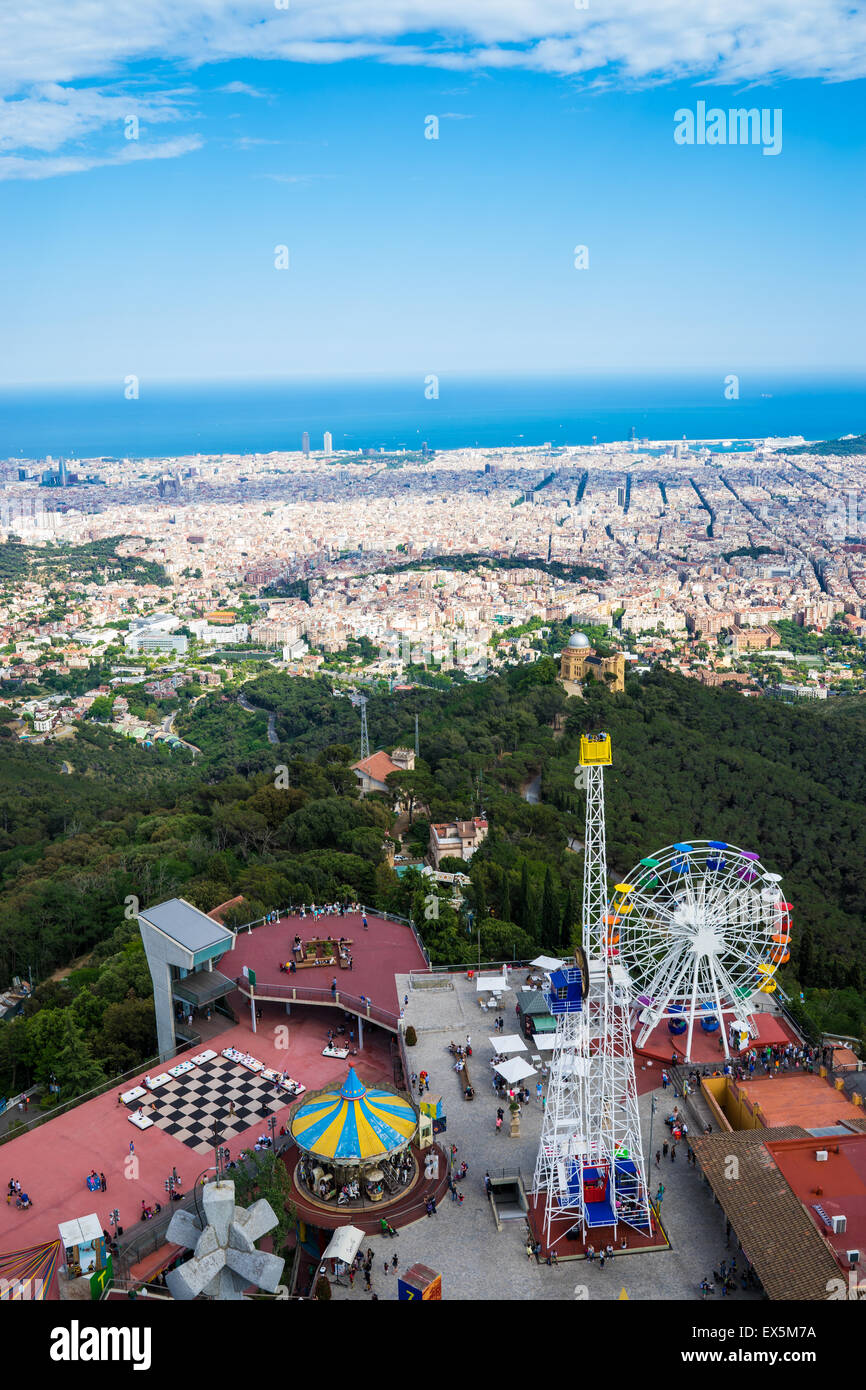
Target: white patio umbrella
[(512, 1042), (344, 1244), (546, 963), (514, 1070), (490, 982)]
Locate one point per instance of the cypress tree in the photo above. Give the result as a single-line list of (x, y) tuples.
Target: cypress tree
[(569, 919), (524, 907), (806, 957), (479, 899), (550, 924), (505, 900)]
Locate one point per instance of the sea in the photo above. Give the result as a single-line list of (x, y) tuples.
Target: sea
[(249, 417)]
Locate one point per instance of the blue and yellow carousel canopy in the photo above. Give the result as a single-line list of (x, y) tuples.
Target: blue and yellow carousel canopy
[(354, 1123)]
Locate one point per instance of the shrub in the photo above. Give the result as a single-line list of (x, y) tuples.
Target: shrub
[(323, 1289), (411, 1036)]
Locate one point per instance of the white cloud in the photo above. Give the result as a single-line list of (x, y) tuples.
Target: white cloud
[(46, 48), (241, 89), (18, 167), (634, 40), (50, 115)]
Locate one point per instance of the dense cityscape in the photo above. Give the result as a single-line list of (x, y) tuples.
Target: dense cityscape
[(683, 555)]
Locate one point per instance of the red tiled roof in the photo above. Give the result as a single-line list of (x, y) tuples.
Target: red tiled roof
[(776, 1232), (377, 766)]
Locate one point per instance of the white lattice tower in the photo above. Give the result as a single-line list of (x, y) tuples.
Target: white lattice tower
[(565, 1146), (573, 1136), (612, 1119)]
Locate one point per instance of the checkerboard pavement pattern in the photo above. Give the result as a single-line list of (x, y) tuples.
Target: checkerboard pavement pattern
[(188, 1105)]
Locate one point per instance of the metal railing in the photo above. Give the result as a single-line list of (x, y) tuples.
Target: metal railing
[(18, 1127), (472, 965), (310, 994), (271, 918), (146, 1237)]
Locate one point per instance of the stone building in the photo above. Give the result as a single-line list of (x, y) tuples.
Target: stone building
[(579, 662)]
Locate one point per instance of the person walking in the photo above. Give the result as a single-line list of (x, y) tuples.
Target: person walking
[(367, 1284), (103, 1185), (394, 1264), (334, 988), (673, 1152), (364, 921), (658, 1157), (660, 1194), (498, 1124), (665, 1149)]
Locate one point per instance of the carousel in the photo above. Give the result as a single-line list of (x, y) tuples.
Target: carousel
[(355, 1144)]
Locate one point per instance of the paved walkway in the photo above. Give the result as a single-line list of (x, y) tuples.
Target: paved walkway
[(462, 1242)]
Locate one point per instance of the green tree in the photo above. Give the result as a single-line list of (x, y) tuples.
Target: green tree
[(75, 1069), (265, 1175), (550, 925), (505, 898), (524, 910), (570, 914), (806, 957), (479, 897)]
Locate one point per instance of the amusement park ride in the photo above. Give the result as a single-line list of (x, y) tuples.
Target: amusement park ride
[(589, 1166), (695, 933)]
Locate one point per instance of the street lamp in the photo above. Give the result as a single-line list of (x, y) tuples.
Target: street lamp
[(216, 1138), (172, 1184), (272, 1126)]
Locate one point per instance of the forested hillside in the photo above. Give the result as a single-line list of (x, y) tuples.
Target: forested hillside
[(283, 823)]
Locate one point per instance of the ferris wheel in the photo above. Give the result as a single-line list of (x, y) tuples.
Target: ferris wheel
[(701, 929)]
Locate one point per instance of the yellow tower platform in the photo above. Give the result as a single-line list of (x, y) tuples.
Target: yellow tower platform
[(595, 750)]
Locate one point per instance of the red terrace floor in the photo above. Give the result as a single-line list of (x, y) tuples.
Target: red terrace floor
[(386, 949), (603, 1235), (660, 1044), (52, 1162)]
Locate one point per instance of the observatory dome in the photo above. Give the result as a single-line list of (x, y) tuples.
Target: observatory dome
[(578, 639)]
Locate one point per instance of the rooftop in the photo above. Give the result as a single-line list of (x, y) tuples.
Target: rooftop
[(185, 924)]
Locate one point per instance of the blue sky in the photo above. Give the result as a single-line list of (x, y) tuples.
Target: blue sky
[(156, 256)]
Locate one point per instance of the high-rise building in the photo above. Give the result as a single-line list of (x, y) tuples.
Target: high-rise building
[(305, 442), (329, 444)]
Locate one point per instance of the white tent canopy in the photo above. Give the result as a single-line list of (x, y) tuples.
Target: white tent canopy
[(544, 1042), (546, 963), (491, 982), (515, 1069), (512, 1042), (344, 1244)]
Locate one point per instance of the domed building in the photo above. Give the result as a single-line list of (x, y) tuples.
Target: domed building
[(579, 661)]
